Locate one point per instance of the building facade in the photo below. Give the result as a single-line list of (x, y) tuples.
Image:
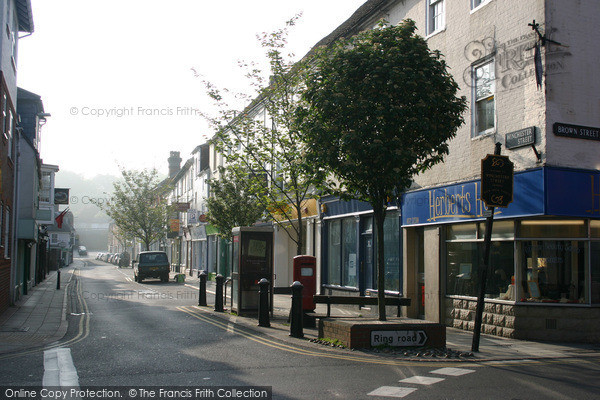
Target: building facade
[(15, 16), (537, 97)]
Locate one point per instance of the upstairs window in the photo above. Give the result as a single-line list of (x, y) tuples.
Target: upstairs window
[(484, 90), (477, 3), (436, 16)]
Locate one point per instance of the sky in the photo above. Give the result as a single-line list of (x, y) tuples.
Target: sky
[(119, 76)]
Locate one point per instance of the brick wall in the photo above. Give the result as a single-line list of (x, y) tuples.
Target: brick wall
[(4, 284)]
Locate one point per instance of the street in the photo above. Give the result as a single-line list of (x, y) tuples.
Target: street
[(122, 333)]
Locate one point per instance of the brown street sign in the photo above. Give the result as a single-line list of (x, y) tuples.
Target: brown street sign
[(497, 181)]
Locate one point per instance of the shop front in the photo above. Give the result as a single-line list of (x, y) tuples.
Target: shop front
[(544, 276), (349, 248)]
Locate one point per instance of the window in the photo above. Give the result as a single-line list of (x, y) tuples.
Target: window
[(342, 260), (477, 3), (334, 252), (7, 232), (349, 255), (465, 252), (484, 90), (553, 271), (436, 20), (391, 251)]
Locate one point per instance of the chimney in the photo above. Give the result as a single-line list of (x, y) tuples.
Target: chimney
[(174, 163)]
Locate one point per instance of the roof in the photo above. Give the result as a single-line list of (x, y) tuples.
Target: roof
[(349, 27), (24, 15)]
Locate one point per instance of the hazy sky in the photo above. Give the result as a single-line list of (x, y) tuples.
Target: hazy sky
[(117, 77)]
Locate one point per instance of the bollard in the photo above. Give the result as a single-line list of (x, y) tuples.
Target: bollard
[(202, 289), (58, 279), (219, 293), (296, 319), (263, 303)]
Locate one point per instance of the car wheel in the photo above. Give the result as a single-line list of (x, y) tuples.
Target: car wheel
[(165, 278), (140, 279)]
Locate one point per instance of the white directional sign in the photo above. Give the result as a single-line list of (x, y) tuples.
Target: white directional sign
[(398, 338)]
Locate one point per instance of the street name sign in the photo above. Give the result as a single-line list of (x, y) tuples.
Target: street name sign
[(497, 180), (398, 338)]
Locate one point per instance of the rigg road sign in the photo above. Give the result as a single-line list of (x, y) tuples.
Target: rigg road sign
[(497, 174), (398, 338)]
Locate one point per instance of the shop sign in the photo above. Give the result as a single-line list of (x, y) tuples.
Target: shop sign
[(520, 138), (61, 196), (576, 131), (181, 207), (463, 202), (398, 338), (173, 228), (497, 180), (573, 193), (192, 216)]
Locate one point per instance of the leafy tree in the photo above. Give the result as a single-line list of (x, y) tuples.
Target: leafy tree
[(378, 108), (138, 206), (230, 205), (264, 140)]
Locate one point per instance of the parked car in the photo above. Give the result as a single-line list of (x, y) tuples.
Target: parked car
[(82, 251), (124, 259), (151, 264), (115, 259)]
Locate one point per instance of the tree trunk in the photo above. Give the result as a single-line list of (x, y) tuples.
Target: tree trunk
[(300, 231), (379, 214)]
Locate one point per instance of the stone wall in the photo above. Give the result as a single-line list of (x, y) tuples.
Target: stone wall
[(529, 322)]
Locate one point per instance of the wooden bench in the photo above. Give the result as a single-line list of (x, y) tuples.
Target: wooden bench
[(356, 300)]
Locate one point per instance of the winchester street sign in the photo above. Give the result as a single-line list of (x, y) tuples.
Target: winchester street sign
[(496, 181), (398, 338)]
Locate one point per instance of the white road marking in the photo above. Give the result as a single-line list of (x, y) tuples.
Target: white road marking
[(452, 371), (422, 380), (59, 369), (392, 391)]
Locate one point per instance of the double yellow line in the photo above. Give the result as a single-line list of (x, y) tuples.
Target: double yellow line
[(83, 328), (204, 316)]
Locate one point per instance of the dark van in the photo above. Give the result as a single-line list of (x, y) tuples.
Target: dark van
[(151, 264)]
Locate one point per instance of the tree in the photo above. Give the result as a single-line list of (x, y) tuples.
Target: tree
[(230, 205), (138, 206), (264, 140), (378, 108)]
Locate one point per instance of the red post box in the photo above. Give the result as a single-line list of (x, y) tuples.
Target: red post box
[(305, 272)]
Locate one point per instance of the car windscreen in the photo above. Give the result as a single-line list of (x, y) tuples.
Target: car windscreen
[(153, 258)]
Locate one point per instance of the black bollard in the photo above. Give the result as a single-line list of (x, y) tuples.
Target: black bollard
[(263, 303), (202, 289), (58, 279), (296, 329), (219, 293)]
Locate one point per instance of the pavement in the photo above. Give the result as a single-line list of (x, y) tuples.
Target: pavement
[(39, 319)]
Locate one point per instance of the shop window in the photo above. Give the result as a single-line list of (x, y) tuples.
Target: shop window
[(391, 240), (500, 230), (553, 271), (349, 254), (484, 90), (553, 229), (595, 272), (462, 232), (595, 229), (464, 261), (334, 253)]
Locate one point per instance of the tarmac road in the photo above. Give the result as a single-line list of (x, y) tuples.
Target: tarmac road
[(122, 333)]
